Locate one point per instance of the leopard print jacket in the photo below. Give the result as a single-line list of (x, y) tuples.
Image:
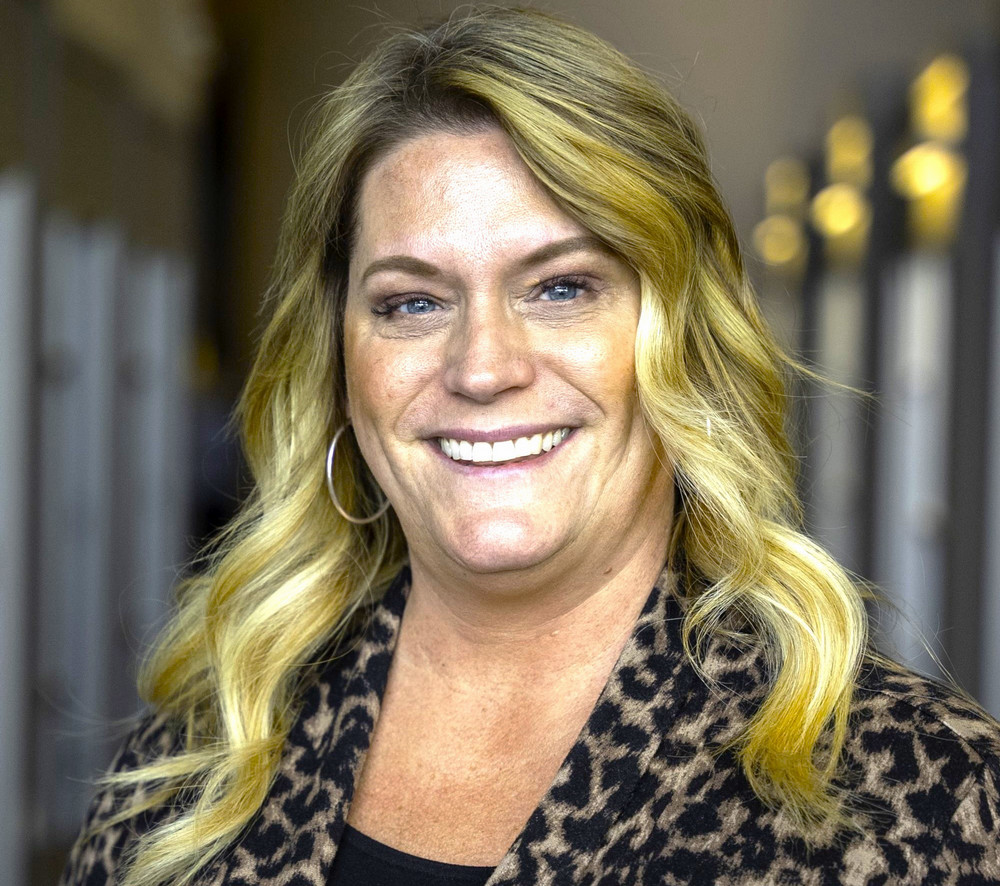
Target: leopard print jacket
[(649, 794)]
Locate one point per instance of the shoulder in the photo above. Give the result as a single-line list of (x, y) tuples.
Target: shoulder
[(923, 759), (910, 716), (95, 857), (324, 690)]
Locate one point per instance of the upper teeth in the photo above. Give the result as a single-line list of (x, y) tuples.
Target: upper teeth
[(502, 450)]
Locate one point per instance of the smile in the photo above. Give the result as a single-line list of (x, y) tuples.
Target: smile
[(502, 450)]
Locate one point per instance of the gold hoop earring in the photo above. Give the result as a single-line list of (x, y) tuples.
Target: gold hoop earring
[(357, 521)]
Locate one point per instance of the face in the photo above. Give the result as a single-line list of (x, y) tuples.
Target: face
[(489, 347)]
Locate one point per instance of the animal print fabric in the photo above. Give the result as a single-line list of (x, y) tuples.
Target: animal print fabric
[(648, 794)]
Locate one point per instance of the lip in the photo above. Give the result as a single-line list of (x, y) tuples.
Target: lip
[(511, 432)]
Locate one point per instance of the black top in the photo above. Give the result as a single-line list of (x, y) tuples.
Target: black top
[(362, 861)]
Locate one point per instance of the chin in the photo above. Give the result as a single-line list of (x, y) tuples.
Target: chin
[(502, 546)]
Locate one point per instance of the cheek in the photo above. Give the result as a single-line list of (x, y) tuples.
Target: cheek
[(364, 369), (383, 378), (605, 366), (368, 382)]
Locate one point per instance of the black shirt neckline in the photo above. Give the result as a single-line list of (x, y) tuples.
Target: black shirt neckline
[(383, 864)]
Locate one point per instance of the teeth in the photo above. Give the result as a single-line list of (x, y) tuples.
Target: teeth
[(503, 450)]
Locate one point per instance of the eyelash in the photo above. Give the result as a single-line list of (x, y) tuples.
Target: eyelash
[(393, 304)]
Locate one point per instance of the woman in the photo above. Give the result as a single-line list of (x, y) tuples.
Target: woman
[(511, 297)]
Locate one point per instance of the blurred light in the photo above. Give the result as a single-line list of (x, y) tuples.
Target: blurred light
[(932, 178), (927, 168), (780, 241), (786, 186), (839, 209), (849, 151), (938, 100)]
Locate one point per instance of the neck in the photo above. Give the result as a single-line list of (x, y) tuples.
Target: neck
[(567, 618)]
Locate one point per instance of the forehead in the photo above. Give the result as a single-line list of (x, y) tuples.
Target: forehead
[(445, 191)]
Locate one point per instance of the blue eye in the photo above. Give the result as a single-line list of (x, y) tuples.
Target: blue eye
[(417, 305), (562, 290), (411, 306)]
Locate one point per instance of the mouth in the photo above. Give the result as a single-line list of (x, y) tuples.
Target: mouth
[(502, 451)]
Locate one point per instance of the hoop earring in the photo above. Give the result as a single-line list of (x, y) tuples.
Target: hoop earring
[(357, 521)]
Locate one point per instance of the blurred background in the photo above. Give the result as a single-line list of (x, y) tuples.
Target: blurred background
[(146, 148)]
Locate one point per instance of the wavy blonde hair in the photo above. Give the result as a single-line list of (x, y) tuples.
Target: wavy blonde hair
[(619, 155)]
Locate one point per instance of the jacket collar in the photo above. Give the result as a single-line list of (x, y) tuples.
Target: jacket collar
[(655, 700)]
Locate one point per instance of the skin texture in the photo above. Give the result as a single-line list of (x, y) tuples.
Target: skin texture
[(478, 309)]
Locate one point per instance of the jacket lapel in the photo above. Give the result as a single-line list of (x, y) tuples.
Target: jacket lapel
[(294, 837), (656, 703), (635, 709)]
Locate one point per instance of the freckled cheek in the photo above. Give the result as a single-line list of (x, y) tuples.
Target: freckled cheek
[(383, 377), (366, 383), (605, 368)]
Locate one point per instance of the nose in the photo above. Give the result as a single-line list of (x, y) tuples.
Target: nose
[(488, 352)]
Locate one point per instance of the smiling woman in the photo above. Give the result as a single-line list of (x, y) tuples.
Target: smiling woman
[(479, 311), (556, 621)]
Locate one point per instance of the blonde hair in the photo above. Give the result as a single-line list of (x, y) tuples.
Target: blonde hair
[(620, 156)]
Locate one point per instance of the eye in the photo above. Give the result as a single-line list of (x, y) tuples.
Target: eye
[(414, 304), (419, 305), (563, 289)]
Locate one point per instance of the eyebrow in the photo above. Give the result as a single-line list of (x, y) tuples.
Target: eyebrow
[(410, 264)]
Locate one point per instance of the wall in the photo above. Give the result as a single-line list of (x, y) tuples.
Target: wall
[(99, 220)]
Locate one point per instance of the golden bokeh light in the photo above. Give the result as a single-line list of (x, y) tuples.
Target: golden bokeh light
[(927, 168), (786, 186), (840, 209), (938, 107), (931, 176), (780, 241), (849, 144)]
